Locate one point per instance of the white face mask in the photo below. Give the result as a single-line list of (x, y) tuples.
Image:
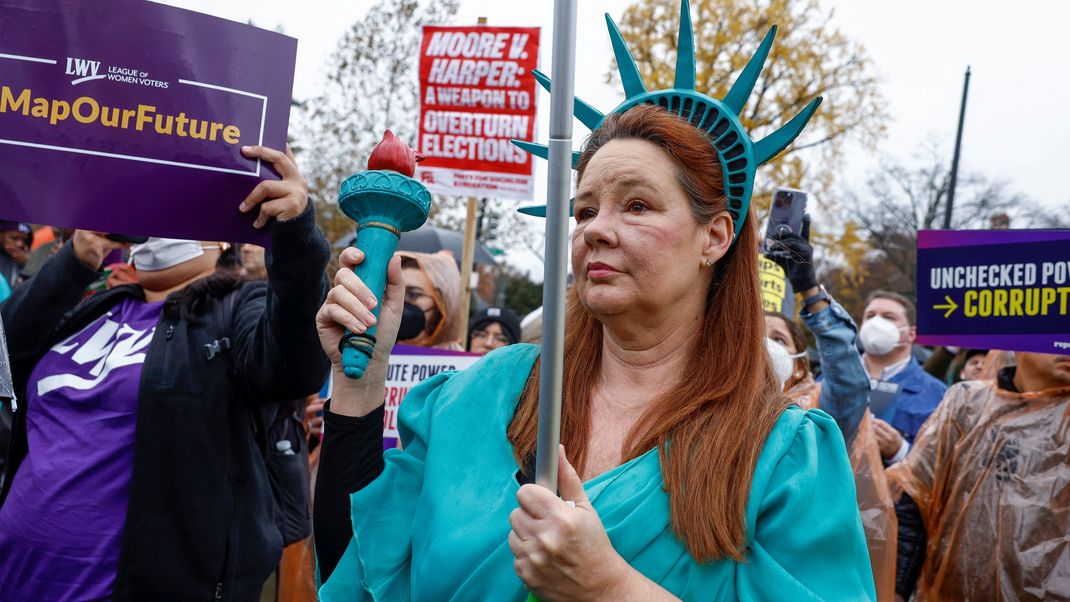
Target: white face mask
[(157, 254), (783, 361), (880, 336)]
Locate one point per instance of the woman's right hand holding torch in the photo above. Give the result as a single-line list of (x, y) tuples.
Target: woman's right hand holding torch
[(349, 306)]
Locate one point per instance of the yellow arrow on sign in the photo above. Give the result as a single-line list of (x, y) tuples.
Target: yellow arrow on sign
[(951, 306)]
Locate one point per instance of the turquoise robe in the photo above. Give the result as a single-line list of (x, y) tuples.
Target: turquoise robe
[(435, 524)]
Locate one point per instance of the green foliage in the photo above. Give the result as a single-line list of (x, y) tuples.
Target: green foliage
[(332, 221), (521, 294), (809, 58)]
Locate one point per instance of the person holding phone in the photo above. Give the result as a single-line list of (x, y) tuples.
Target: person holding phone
[(843, 390), (786, 214)]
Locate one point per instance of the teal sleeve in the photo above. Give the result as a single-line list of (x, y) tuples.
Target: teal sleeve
[(377, 564), (808, 541)]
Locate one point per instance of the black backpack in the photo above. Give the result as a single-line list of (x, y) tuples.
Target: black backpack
[(288, 471), (280, 432)]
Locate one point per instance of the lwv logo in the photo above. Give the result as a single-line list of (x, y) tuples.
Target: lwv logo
[(85, 69), (111, 346)]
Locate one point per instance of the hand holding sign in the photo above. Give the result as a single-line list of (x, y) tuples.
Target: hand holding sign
[(282, 199), (156, 116), (92, 247)]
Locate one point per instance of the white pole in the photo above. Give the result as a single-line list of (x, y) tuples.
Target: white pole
[(559, 179)]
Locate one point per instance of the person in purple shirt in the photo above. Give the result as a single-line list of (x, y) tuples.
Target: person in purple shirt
[(136, 467)]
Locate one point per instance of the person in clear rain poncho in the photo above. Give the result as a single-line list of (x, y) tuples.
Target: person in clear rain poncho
[(985, 506)]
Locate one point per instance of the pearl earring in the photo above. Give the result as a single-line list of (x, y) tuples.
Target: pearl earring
[(709, 263)]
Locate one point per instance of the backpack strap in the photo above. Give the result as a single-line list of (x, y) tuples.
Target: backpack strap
[(224, 311)]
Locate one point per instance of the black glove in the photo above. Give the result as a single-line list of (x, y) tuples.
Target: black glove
[(793, 253)]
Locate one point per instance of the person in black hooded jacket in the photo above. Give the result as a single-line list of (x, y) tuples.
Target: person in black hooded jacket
[(193, 500)]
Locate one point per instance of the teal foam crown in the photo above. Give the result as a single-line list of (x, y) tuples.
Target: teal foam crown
[(718, 119)]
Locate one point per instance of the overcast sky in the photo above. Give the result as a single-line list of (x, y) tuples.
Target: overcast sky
[(1017, 124)]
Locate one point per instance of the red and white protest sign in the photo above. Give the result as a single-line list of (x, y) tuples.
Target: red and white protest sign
[(476, 94)]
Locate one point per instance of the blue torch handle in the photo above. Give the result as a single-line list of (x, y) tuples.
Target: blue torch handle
[(378, 245)]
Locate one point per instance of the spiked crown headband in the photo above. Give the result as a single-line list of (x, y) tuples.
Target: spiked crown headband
[(718, 119)]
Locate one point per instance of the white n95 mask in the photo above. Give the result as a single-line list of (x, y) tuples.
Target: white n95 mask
[(879, 335), (161, 253), (783, 361)]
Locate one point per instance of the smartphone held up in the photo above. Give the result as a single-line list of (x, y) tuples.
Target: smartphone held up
[(786, 213)]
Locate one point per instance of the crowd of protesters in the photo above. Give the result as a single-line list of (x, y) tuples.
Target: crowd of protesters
[(166, 439)]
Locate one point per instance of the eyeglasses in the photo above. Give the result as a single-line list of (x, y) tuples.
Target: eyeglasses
[(493, 338), (413, 295)]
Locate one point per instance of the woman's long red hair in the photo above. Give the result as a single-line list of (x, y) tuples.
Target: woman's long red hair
[(710, 428)]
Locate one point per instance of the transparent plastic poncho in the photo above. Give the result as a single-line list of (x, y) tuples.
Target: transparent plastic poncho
[(875, 502), (990, 472)]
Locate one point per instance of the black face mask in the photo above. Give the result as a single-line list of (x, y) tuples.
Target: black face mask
[(413, 322)]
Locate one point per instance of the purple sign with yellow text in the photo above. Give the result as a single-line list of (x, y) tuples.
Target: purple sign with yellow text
[(995, 289), (129, 116)]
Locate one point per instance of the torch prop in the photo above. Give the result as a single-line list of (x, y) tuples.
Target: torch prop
[(384, 203)]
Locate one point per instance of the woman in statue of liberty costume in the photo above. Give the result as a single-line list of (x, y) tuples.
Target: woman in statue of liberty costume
[(686, 475)]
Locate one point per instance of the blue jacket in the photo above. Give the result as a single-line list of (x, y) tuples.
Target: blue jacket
[(845, 383), (918, 396)]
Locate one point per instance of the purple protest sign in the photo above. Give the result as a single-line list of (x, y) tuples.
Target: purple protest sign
[(408, 367), (129, 117), (995, 289)]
